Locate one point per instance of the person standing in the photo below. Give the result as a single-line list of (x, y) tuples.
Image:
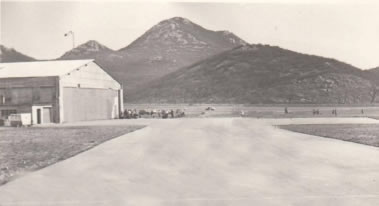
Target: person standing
[(172, 113)]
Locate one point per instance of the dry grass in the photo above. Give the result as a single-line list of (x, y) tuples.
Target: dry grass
[(367, 134), (28, 149)]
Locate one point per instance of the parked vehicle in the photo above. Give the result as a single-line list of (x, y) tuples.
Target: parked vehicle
[(210, 109), (22, 119)]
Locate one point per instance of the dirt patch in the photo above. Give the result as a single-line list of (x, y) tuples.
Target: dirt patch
[(27, 149)]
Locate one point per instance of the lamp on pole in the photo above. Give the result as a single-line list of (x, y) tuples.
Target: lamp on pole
[(73, 37)]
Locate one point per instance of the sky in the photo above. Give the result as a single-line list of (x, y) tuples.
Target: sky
[(344, 30)]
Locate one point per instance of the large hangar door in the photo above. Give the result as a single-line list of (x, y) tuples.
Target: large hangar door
[(80, 104)]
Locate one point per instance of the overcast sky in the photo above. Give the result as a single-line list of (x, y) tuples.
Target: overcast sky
[(347, 32)]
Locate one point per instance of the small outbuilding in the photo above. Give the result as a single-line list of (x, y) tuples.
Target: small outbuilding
[(59, 91)]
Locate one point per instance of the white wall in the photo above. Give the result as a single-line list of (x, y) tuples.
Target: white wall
[(90, 76)]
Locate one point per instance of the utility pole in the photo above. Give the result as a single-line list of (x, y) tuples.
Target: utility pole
[(73, 37)]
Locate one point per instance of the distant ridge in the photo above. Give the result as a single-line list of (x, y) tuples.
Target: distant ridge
[(11, 55)]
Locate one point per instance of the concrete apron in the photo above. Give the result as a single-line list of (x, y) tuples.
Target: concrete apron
[(224, 161)]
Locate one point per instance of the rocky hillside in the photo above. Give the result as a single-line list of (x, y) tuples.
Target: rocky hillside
[(90, 49), (373, 74), (179, 33), (11, 55), (166, 47), (260, 74)]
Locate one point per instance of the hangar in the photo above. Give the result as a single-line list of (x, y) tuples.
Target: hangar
[(59, 91)]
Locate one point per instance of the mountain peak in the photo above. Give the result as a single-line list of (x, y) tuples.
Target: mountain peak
[(3, 48), (179, 20), (178, 33), (173, 23), (90, 48), (93, 46)]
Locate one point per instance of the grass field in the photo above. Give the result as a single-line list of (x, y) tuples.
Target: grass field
[(367, 134), (265, 111), (27, 149)]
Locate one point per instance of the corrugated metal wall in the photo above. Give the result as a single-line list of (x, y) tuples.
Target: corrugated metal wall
[(89, 104), (29, 91), (27, 82), (23, 93)]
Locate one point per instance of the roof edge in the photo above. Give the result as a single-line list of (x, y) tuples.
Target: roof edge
[(87, 61)]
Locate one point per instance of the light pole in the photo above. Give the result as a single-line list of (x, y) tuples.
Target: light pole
[(73, 37)]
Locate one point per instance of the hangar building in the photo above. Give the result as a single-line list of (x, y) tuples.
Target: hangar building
[(59, 91)]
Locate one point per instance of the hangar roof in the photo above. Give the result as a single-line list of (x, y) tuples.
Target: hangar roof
[(40, 68)]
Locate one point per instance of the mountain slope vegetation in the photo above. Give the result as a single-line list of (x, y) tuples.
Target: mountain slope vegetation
[(260, 74)]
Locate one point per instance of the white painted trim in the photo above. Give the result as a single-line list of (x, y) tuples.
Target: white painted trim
[(34, 112), (60, 100)]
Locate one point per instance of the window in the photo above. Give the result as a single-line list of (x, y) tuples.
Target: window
[(5, 113), (36, 94), (8, 99), (4, 99), (7, 96)]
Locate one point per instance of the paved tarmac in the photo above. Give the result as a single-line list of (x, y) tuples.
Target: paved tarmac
[(208, 161)]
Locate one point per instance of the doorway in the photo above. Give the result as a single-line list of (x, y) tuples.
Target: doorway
[(39, 116)]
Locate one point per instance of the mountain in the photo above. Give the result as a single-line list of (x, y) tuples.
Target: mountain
[(179, 33), (166, 47), (172, 44), (11, 55), (90, 49), (373, 74), (260, 74)]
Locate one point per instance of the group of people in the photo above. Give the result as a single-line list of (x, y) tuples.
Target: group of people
[(317, 112), (130, 114), (152, 113)]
